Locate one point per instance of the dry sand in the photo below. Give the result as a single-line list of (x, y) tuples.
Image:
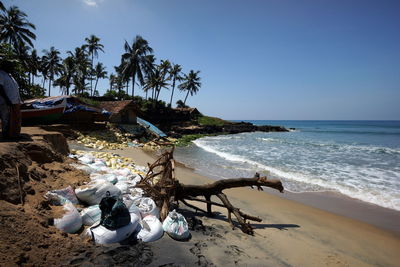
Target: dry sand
[(291, 233)]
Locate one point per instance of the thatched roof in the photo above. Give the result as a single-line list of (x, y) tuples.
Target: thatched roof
[(118, 106), (188, 110)]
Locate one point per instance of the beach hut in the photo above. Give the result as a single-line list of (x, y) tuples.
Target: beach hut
[(121, 111)]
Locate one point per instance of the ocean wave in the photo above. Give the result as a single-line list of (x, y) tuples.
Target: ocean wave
[(361, 132), (335, 146), (354, 189)]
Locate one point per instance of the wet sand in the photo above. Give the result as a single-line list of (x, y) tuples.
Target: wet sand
[(291, 233)]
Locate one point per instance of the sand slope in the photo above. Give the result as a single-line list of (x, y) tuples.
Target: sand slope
[(290, 234)]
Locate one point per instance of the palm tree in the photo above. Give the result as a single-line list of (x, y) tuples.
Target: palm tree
[(2, 7), (112, 80), (15, 29), (155, 81), (100, 73), (134, 59), (148, 69), (23, 55), (66, 75), (191, 84), (175, 75), (164, 68), (34, 65), (52, 63), (81, 68), (93, 47), (43, 70)]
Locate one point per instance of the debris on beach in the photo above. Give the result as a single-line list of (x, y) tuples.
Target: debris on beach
[(111, 176), (112, 138), (161, 185), (141, 198)]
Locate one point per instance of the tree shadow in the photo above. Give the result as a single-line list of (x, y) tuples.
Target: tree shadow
[(276, 226), (219, 216)]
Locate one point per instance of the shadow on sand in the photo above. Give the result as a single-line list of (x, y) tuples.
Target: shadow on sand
[(222, 217)]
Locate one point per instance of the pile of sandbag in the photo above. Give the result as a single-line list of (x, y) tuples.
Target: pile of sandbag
[(119, 184), (112, 138)]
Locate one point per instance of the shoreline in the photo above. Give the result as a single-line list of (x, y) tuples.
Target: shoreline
[(338, 203), (332, 202), (328, 201), (289, 229)]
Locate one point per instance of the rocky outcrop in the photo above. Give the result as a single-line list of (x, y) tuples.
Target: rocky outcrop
[(232, 128)]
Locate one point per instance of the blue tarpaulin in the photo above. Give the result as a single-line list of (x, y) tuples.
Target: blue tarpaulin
[(151, 127), (73, 104)]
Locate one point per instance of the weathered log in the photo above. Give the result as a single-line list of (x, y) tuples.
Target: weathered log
[(160, 184), (191, 192), (220, 185)]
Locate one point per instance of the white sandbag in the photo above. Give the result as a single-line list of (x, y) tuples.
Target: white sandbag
[(99, 162), (87, 159), (151, 229), (141, 168), (123, 186), (147, 206), (84, 168), (103, 235), (93, 192), (104, 169), (175, 225), (134, 209), (91, 215), (71, 221), (137, 192), (110, 177), (62, 196), (136, 178), (125, 172)]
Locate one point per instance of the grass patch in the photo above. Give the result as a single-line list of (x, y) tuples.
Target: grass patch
[(187, 139), (89, 101), (206, 120)]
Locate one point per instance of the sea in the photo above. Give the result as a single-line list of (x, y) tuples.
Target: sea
[(359, 159)]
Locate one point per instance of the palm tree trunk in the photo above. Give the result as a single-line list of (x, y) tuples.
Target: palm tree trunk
[(184, 102), (91, 78), (49, 86), (44, 81), (133, 85), (146, 94), (95, 85), (172, 94), (158, 93)]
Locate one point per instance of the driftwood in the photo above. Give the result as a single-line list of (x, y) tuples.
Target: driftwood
[(161, 184)]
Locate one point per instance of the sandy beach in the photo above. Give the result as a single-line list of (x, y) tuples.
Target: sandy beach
[(291, 233)]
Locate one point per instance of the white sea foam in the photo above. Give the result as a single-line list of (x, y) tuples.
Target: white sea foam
[(342, 147), (340, 179)]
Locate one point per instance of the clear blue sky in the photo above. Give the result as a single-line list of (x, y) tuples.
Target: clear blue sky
[(266, 59)]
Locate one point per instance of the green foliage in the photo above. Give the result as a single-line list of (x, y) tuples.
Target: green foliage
[(32, 91), (89, 101), (187, 139), (20, 74), (205, 120), (180, 104), (117, 95)]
